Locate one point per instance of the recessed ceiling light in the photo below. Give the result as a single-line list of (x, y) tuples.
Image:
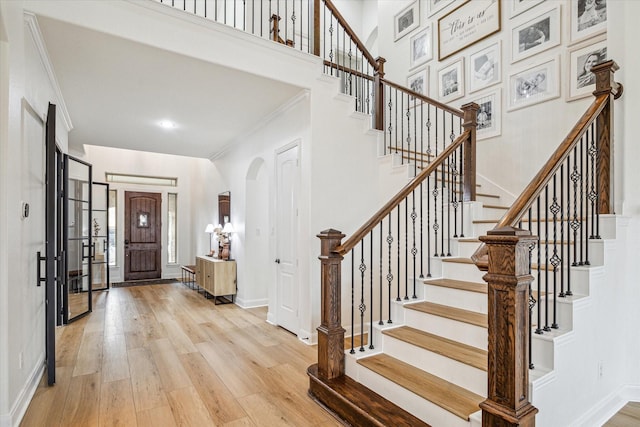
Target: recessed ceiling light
[(167, 124)]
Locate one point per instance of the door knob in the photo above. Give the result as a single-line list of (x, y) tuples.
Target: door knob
[(277, 260)]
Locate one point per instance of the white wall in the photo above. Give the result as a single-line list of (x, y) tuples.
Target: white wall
[(192, 240), (26, 88)]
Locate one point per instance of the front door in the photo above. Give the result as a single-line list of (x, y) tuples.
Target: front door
[(142, 236), (287, 238)]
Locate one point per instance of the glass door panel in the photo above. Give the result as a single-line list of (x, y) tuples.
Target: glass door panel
[(100, 237), (78, 241)]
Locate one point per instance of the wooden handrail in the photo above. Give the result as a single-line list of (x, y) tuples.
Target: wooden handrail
[(348, 70), (352, 241), (424, 98), (605, 88), (542, 178), (351, 33)]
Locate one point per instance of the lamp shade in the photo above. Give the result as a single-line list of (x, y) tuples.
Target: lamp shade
[(209, 228), (228, 228)]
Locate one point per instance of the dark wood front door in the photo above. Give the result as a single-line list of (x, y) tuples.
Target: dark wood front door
[(142, 236)]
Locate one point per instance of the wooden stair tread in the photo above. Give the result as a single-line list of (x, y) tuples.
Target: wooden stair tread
[(457, 260), (506, 208), (453, 398), (458, 284), (358, 405), (466, 316), (463, 353)]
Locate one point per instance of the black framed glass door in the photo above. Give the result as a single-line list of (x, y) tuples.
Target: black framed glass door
[(100, 236), (78, 245)]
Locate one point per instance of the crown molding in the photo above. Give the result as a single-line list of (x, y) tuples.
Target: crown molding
[(34, 29)]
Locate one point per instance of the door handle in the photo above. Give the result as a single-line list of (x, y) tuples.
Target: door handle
[(277, 260), (39, 260)]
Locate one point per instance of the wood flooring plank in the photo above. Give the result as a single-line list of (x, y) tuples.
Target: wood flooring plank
[(172, 374), (242, 422), (115, 363), (116, 404), (262, 412), (156, 417), (89, 360), (240, 381), (47, 404), (180, 341), (145, 380), (68, 343), (95, 322), (628, 416), (188, 409), (217, 398), (83, 401)]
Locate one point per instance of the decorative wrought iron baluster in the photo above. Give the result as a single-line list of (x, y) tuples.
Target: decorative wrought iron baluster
[(583, 229), (380, 322), (406, 248), (353, 301), (442, 182), (362, 307), (421, 194), (532, 302), (408, 115), (538, 328), (398, 256), (414, 249), (555, 259), (436, 226), (461, 186), (389, 273), (575, 224), (569, 227), (234, 13), (396, 118), (563, 244), (546, 258), (593, 195)]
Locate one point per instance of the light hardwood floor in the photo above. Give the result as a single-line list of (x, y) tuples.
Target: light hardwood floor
[(628, 416), (163, 355)]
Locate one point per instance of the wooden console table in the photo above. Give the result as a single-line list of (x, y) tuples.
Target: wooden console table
[(216, 277)]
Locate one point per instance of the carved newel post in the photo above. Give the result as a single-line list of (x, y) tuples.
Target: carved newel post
[(509, 277), (330, 331)]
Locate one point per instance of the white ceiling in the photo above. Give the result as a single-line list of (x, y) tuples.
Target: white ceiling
[(117, 91)]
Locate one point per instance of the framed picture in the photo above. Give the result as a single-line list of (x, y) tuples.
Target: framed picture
[(587, 18), (485, 67), (467, 24), (489, 115), (435, 6), (421, 47), (582, 82), (516, 7), (534, 84), (536, 35), (451, 81), (419, 82), (407, 20)]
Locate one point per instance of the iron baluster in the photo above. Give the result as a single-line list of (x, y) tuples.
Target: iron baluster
[(546, 259), (428, 231), (389, 273), (562, 241), (371, 290), (538, 329), (461, 185), (592, 193), (575, 225), (362, 307), (353, 301), (555, 259), (582, 228), (569, 228), (414, 250), (398, 256), (406, 249), (380, 322)]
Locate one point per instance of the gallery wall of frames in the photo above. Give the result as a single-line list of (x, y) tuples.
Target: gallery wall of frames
[(505, 55)]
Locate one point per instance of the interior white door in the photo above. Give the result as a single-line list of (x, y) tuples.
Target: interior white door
[(287, 238)]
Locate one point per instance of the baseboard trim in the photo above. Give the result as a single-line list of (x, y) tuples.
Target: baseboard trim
[(251, 303), (607, 407), (21, 404)]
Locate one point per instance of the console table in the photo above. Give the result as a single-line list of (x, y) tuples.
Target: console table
[(217, 277)]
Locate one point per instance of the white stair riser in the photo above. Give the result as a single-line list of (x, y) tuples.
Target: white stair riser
[(579, 281), (595, 252), (423, 409), (481, 228), (564, 313), (458, 331), (451, 370), (464, 249), (461, 271), (541, 351), (466, 300), (493, 213)]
